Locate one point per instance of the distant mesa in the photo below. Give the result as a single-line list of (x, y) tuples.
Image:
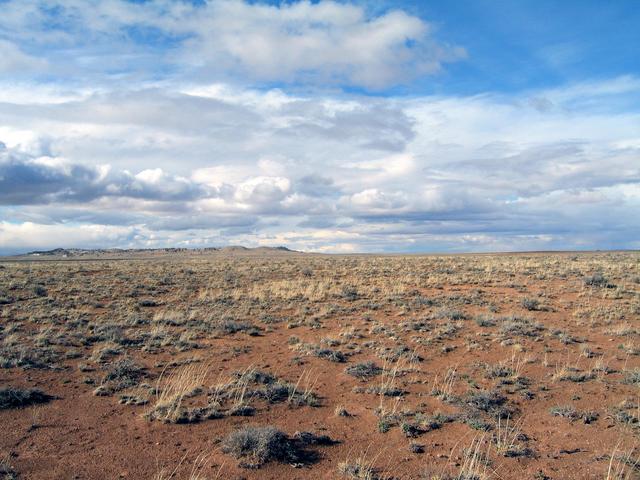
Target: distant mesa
[(100, 252)]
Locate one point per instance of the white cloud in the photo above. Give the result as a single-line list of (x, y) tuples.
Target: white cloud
[(372, 200), (15, 61), (265, 167), (328, 42), (262, 191), (315, 43), (31, 236)]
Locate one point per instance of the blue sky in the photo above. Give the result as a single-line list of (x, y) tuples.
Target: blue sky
[(324, 126), (517, 45)]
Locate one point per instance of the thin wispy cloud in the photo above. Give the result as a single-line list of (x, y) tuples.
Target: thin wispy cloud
[(320, 126)]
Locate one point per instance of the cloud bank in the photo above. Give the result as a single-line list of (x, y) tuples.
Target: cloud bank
[(218, 164)]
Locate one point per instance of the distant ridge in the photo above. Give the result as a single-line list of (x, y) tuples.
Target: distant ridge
[(100, 252)]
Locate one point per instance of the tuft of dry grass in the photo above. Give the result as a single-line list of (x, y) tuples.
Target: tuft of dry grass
[(173, 389), (622, 465), (475, 460), (443, 387), (362, 467)]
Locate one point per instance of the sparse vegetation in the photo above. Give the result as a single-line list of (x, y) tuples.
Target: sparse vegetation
[(465, 360)]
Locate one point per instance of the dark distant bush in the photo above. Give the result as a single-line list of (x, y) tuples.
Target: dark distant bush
[(531, 304), (260, 445), (364, 371), (331, 355), (15, 398), (451, 314), (491, 402), (597, 280), (40, 291), (148, 303), (350, 292)]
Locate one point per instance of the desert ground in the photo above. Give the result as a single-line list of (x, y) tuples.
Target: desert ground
[(279, 365)]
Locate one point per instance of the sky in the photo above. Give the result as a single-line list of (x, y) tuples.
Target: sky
[(365, 126)]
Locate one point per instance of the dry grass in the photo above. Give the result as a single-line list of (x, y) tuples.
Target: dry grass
[(622, 465), (361, 467), (173, 389)]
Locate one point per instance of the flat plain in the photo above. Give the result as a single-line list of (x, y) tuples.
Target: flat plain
[(228, 365)]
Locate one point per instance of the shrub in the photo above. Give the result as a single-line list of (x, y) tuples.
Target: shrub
[(27, 357), (122, 374), (124, 370), (260, 445), (147, 303), (597, 280), (525, 327), (6, 472), (485, 321), (228, 326), (451, 314), (491, 402), (410, 430), (360, 468), (331, 355), (498, 371), (632, 377), (40, 291), (416, 448), (568, 411), (350, 293), (15, 398), (531, 304), (364, 371)]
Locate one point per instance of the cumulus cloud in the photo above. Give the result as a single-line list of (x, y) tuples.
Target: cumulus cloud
[(300, 42), (327, 41)]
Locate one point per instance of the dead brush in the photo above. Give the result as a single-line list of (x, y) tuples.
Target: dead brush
[(387, 386), (169, 317), (508, 438), (314, 290), (238, 392), (200, 463), (475, 460), (173, 389), (6, 470), (600, 368), (516, 363), (443, 388), (622, 330), (622, 465), (568, 371), (630, 348), (303, 391), (362, 467), (472, 463), (387, 417)]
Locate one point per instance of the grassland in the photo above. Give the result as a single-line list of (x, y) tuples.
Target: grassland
[(295, 366)]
